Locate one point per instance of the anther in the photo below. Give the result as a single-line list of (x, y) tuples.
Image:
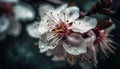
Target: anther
[(45, 14), (47, 20), (48, 25), (67, 21), (51, 12)]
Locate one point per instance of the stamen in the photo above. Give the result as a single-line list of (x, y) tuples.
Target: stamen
[(59, 17), (64, 17), (48, 24), (51, 18), (67, 20), (51, 36), (55, 41)]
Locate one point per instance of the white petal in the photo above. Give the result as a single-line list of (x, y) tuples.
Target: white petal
[(75, 44), (4, 24), (44, 47), (50, 39), (71, 13), (62, 7), (44, 8), (84, 24), (23, 12), (32, 30), (53, 15), (10, 1), (75, 50), (46, 24), (42, 28), (15, 29)]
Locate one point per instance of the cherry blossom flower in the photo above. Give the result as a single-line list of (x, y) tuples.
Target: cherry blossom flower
[(61, 32)]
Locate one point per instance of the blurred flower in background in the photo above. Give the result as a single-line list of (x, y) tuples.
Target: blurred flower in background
[(11, 13), (10, 1), (7, 23)]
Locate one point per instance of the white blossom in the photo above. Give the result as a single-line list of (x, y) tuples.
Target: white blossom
[(56, 25)]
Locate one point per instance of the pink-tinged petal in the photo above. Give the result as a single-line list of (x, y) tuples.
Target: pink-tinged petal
[(58, 50), (33, 31), (89, 60), (91, 37), (88, 57), (15, 29), (83, 25), (44, 8), (58, 53), (75, 44)]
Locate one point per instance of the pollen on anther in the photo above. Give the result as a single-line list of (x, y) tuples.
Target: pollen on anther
[(48, 25), (54, 45), (67, 21), (51, 12), (47, 20), (45, 14)]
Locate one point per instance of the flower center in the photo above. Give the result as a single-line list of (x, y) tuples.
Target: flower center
[(62, 29)]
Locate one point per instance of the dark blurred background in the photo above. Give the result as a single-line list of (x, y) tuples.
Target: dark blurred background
[(22, 53)]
